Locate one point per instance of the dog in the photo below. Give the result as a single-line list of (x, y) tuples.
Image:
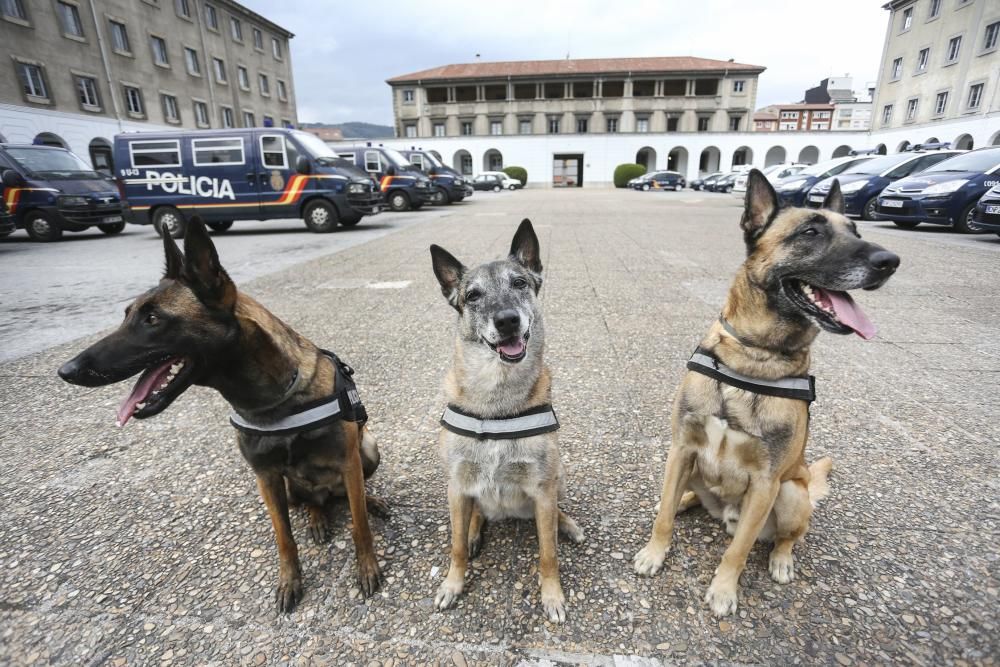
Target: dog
[(195, 327), (498, 441), (739, 452)]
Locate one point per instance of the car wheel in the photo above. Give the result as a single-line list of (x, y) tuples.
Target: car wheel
[(497, 188), (40, 227), (868, 212), (439, 197), (113, 228), (350, 221), (220, 226), (399, 202), (512, 187), (320, 217), (905, 224), (964, 222), (645, 187), (168, 219)]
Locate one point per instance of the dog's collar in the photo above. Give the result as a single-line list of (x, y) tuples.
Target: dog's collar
[(798, 387), (538, 420), (344, 404)]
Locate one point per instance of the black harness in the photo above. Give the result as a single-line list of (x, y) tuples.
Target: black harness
[(345, 404), (538, 420)]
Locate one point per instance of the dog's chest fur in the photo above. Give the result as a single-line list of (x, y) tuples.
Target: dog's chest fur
[(311, 461)]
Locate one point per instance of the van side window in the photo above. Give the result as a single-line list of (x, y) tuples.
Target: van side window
[(218, 152), (371, 161), (155, 153), (417, 160), (272, 151), (347, 156)]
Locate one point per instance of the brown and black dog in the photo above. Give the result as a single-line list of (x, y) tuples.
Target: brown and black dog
[(739, 452), (195, 327)]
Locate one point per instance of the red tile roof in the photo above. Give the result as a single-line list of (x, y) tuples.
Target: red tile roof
[(537, 68)]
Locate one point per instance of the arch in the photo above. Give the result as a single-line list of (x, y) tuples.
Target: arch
[(462, 162), (995, 141), (774, 155), (880, 149), (963, 142), (903, 145), (677, 159), (49, 139), (492, 160), (842, 150), (646, 156), (809, 155), (709, 160), (742, 155), (101, 156), (435, 154)]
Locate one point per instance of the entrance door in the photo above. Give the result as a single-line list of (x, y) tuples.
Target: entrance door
[(567, 170)]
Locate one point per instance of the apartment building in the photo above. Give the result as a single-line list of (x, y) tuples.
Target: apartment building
[(80, 71), (595, 96), (796, 117)]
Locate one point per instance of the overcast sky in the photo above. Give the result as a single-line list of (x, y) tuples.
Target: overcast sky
[(344, 51)]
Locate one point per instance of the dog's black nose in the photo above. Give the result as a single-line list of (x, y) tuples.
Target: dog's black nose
[(70, 371), (507, 322), (883, 260)]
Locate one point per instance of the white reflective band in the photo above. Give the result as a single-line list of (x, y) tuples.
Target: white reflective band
[(291, 422), (508, 427), (797, 384)]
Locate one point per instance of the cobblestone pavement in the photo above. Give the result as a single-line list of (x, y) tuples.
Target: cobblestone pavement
[(149, 545)]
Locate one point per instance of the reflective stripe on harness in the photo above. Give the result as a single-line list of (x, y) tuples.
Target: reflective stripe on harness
[(535, 421), (796, 387)]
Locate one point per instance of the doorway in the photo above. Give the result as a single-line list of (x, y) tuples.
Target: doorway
[(567, 170)]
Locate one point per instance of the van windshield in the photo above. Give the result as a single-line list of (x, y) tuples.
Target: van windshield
[(316, 147), (433, 160), (396, 158), (52, 163)]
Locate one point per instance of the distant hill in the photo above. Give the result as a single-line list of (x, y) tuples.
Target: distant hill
[(357, 130)]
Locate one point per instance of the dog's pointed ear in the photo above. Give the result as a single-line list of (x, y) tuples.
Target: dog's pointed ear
[(203, 272), (834, 199), (760, 207), (449, 272), (174, 258), (524, 248)]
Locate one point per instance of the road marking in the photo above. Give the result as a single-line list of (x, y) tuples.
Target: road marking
[(398, 284)]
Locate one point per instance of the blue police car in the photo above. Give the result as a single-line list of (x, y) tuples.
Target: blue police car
[(239, 174), (449, 185), (49, 190), (945, 194), (792, 190), (402, 184), (862, 183), (987, 215)]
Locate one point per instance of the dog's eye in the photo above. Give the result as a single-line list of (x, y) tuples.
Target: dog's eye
[(152, 320), (810, 231), (519, 283), (473, 295)]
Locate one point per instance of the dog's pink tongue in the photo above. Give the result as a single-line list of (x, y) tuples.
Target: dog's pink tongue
[(850, 313), (512, 347), (143, 388)]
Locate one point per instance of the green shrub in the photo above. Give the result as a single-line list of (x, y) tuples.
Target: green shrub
[(520, 173), (626, 172)]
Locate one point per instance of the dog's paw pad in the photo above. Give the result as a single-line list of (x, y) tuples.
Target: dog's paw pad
[(782, 568), (447, 595), (648, 561), (722, 601)]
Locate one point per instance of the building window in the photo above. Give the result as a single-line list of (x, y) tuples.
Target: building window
[(524, 126), (410, 131), (612, 125), (192, 62), (466, 128), (739, 85), (897, 69), (133, 100), (184, 8), (236, 28), (219, 65), (911, 109), (32, 80), (934, 10), (642, 125), (243, 77), (159, 46), (212, 18), (276, 48), (268, 121), (672, 123), (265, 85), (248, 119), (581, 125), (922, 59), (553, 125), (86, 86), (258, 39), (171, 112), (907, 19), (438, 129), (69, 17), (788, 126), (703, 123), (201, 114), (954, 49), (408, 95), (734, 123), (886, 114), (975, 95), (282, 91), (119, 37), (496, 128), (992, 35), (13, 9), (226, 114), (466, 165), (940, 103)]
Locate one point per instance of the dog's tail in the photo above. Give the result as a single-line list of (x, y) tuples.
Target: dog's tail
[(819, 487)]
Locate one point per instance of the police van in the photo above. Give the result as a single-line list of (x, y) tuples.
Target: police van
[(403, 185), (48, 190), (449, 186), (239, 174)]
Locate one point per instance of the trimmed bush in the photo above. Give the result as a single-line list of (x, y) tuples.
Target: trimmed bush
[(520, 173), (626, 172)]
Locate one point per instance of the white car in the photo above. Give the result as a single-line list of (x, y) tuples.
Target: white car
[(508, 182), (774, 173)]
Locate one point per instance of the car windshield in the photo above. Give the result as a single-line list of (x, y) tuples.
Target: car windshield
[(879, 164), (51, 162), (977, 161), (315, 146)]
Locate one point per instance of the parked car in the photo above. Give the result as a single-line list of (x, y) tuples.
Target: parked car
[(404, 187), (723, 183), (987, 216), (49, 190), (792, 190), (774, 173), (508, 182), (945, 194), (699, 183), (661, 180), (7, 224), (862, 183), (449, 185), (488, 182)]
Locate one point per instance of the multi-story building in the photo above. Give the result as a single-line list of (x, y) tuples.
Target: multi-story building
[(852, 116), (765, 121), (599, 96), (799, 117), (939, 73), (79, 71)]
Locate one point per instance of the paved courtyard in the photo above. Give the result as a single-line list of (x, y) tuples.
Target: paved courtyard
[(149, 545)]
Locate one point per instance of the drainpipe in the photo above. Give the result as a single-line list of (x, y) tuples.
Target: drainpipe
[(107, 67), (210, 67)]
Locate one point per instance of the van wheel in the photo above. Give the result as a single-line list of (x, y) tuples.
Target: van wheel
[(350, 221), (220, 226), (441, 197), (399, 202), (40, 227), (905, 224), (964, 222), (868, 212), (320, 217), (113, 228), (168, 219)]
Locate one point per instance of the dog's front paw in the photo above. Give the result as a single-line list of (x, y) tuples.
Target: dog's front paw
[(317, 531), (782, 567), (289, 592), (369, 577), (554, 604), (721, 598), (377, 507), (649, 560), (447, 593)]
